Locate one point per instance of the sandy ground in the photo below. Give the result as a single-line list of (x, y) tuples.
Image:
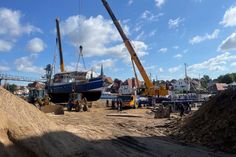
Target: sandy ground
[(141, 135), (27, 132)]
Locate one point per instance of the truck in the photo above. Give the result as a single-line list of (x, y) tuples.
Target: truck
[(126, 101), (39, 98), (37, 94)]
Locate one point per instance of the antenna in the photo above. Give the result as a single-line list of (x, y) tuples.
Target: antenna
[(185, 68), (102, 70)]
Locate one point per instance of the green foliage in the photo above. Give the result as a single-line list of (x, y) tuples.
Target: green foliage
[(11, 87), (228, 78), (205, 80)]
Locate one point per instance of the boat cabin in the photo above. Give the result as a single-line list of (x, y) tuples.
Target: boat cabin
[(73, 76)]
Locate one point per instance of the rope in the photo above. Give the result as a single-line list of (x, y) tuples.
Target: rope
[(80, 56), (79, 30)]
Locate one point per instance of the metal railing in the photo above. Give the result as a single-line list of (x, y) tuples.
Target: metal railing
[(18, 78)]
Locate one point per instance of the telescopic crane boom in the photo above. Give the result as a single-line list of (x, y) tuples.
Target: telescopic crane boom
[(151, 90), (59, 46)]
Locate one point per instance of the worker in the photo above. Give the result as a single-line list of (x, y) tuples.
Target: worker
[(46, 100), (188, 108), (107, 103), (113, 104), (119, 103), (181, 107)]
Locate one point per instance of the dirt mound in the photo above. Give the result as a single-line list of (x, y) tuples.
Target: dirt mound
[(99, 104), (214, 124), (26, 131), (56, 109)]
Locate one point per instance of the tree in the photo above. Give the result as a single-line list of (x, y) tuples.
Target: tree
[(225, 79), (205, 80), (233, 76), (11, 87)]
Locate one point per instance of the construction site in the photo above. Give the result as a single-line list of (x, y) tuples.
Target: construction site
[(84, 114)]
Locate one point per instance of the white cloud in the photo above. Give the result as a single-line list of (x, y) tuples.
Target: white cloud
[(233, 64), (152, 33), (126, 21), (152, 67), (185, 51), (35, 45), (163, 50), (176, 47), (82, 31), (74, 67), (228, 44), (137, 28), (11, 28), (159, 3), (174, 23), (229, 19), (147, 15), (11, 24), (130, 2), (5, 45), (140, 35), (160, 70), (4, 68), (121, 51), (102, 40), (178, 56), (217, 63), (25, 64), (198, 39), (107, 63), (174, 69), (198, 1)]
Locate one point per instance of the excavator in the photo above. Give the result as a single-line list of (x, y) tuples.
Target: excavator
[(150, 90)]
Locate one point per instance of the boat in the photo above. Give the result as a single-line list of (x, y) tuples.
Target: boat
[(60, 85), (63, 84)]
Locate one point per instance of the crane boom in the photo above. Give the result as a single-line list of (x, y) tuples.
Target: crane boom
[(129, 46), (59, 46)]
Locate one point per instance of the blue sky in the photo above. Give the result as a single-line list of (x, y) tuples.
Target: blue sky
[(166, 34)]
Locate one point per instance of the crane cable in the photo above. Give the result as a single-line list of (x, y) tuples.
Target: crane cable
[(80, 55), (79, 30), (135, 74), (134, 69)]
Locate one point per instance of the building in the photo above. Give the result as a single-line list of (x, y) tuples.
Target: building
[(21, 90), (232, 86), (217, 87), (129, 86), (181, 85), (132, 83)]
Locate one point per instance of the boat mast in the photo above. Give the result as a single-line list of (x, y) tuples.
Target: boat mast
[(59, 45)]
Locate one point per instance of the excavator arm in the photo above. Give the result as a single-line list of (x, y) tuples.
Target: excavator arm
[(151, 90)]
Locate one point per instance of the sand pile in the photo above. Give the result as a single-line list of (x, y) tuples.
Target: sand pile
[(26, 131), (214, 124)]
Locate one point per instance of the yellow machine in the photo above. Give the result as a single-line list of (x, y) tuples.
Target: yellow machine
[(127, 101), (150, 89)]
